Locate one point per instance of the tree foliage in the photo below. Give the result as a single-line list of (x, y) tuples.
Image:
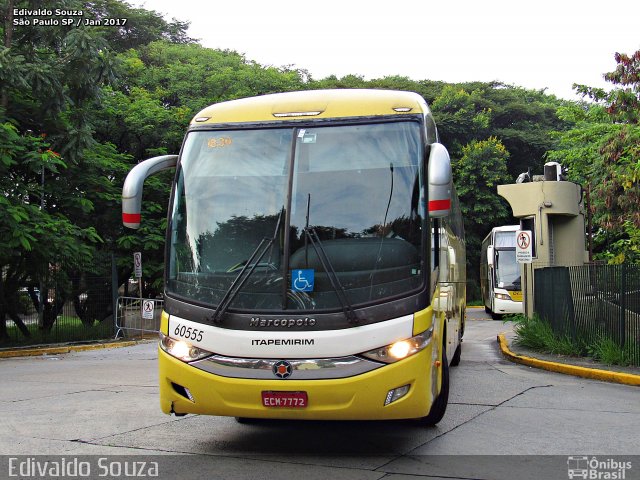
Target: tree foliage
[(142, 26), (479, 171), (602, 150), (60, 184)]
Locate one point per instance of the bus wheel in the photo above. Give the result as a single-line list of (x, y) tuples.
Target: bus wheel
[(440, 404), (455, 360)]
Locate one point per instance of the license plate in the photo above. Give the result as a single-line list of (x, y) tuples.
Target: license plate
[(516, 296), (273, 399)]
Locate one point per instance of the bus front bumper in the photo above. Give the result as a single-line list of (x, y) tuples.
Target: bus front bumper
[(506, 306), (186, 389)]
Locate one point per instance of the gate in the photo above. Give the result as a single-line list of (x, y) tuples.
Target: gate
[(138, 316)]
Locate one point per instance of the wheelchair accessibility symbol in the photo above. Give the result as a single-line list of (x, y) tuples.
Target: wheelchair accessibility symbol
[(302, 280)]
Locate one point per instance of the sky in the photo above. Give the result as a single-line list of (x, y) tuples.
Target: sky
[(539, 44)]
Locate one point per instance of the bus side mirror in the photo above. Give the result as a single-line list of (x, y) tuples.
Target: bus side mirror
[(132, 188), (490, 255), (440, 181)]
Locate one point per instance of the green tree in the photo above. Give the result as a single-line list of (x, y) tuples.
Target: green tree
[(194, 76), (60, 187), (29, 232), (602, 151), (520, 118), (459, 118), (348, 81), (45, 75), (482, 167), (141, 28)]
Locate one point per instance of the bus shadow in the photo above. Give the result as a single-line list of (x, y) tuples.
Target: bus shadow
[(304, 438)]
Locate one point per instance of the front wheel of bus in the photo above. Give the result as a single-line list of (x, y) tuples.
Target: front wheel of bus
[(442, 400), (455, 360)]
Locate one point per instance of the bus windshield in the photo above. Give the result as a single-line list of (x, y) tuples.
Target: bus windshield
[(506, 267), (357, 188)]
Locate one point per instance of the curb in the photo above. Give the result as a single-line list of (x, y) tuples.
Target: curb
[(592, 373), (32, 352)]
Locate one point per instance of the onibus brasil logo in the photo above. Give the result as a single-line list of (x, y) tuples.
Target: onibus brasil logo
[(593, 468)]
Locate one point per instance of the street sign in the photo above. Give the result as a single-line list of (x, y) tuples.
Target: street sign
[(137, 264), (524, 247), (147, 309)]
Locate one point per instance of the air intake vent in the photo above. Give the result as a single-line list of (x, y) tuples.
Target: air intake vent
[(180, 390)]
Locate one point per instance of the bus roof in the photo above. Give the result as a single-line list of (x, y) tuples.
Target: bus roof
[(313, 104), (506, 228), (501, 228)]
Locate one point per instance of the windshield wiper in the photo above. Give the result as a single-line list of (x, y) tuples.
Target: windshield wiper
[(241, 278), (331, 273)]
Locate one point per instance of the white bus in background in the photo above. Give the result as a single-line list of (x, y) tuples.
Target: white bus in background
[(500, 273)]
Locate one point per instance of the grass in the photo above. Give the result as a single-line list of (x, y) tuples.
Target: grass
[(608, 351), (475, 303), (537, 334)]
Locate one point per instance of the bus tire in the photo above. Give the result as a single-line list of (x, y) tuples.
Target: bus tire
[(455, 360), (442, 400)]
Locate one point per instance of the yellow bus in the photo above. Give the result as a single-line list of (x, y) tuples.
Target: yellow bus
[(315, 261)]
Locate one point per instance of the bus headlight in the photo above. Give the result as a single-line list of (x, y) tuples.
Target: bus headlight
[(400, 349), (502, 296), (181, 349)]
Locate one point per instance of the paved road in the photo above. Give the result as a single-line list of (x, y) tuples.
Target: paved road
[(105, 402)]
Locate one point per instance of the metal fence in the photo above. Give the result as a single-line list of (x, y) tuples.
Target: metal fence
[(138, 317), (57, 307), (592, 302)]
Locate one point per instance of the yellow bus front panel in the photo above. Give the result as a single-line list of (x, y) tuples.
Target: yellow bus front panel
[(361, 397)]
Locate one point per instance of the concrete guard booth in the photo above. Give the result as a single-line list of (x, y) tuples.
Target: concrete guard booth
[(553, 210)]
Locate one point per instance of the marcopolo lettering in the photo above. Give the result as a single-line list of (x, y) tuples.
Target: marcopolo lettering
[(283, 341), (281, 322)]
